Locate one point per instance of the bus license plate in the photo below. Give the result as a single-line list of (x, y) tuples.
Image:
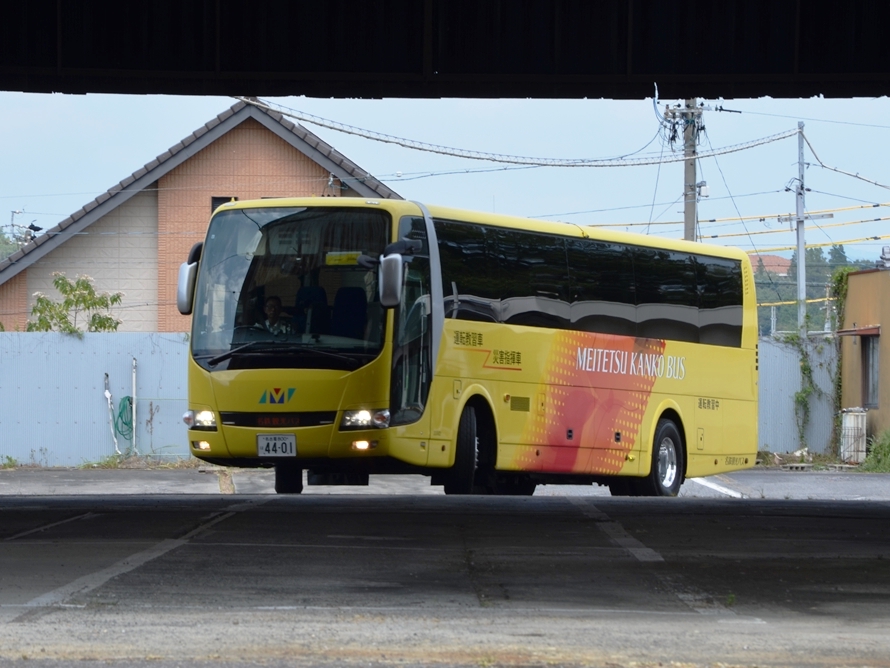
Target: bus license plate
[(276, 445)]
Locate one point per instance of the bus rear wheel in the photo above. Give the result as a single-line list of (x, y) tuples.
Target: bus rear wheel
[(623, 487), (666, 474), (462, 475), (515, 485), (288, 479)]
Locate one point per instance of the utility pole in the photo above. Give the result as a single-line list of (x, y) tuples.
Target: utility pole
[(801, 246), (689, 117), (799, 219), (690, 190)]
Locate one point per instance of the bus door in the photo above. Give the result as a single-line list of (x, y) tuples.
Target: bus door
[(412, 343)]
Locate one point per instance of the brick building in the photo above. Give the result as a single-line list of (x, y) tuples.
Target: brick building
[(132, 238)]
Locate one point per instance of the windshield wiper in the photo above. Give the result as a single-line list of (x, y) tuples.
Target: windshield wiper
[(213, 361), (277, 348), (322, 352)]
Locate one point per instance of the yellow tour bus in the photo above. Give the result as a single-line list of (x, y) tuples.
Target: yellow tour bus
[(345, 337)]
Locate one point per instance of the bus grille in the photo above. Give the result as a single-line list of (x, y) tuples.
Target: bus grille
[(278, 420)]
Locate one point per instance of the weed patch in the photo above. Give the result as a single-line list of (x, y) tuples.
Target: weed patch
[(878, 458), (144, 462)]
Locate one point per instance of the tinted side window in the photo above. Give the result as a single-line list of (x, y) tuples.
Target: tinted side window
[(470, 282), (534, 279), (667, 295), (720, 300), (602, 287)]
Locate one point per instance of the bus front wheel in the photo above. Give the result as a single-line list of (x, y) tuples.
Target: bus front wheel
[(462, 475), (666, 474), (288, 479)]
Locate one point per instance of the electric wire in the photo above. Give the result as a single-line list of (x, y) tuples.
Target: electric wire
[(641, 206), (620, 161), (735, 206), (846, 242), (841, 171), (655, 192), (802, 118), (809, 228)]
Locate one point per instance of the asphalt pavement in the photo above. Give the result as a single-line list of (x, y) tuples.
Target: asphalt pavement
[(756, 483)]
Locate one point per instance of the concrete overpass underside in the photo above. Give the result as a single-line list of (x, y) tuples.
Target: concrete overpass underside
[(449, 48)]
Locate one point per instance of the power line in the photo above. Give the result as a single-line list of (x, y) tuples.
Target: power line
[(642, 206), (800, 118), (841, 171), (821, 245), (499, 157), (811, 227)]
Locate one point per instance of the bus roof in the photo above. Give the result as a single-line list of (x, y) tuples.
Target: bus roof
[(404, 207)]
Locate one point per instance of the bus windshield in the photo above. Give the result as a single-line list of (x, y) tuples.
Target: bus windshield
[(282, 288)]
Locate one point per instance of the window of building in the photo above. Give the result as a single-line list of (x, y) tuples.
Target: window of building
[(870, 371), (216, 202)]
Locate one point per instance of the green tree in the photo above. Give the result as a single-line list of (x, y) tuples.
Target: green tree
[(8, 246), (80, 305), (837, 257)]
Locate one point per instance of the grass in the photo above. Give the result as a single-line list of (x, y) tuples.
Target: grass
[(819, 461), (878, 458), (143, 462), (8, 462)]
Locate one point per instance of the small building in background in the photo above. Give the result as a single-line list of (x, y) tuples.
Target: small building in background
[(774, 264), (132, 238), (865, 354)]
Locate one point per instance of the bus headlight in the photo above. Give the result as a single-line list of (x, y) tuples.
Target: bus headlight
[(364, 419), (200, 420)]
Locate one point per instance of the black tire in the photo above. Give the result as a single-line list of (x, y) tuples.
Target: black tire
[(515, 485), (288, 479), (668, 457), (462, 475), (623, 487)]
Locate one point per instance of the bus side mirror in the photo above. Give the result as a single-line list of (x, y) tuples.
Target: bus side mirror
[(389, 278), (185, 287)]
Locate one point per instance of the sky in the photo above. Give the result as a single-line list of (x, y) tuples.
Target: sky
[(60, 151)]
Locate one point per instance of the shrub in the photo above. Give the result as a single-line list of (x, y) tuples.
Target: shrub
[(878, 458)]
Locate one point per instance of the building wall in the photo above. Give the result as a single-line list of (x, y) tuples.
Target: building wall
[(247, 162), (14, 308), (119, 252), (868, 303)]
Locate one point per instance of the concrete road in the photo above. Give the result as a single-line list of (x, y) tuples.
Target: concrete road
[(758, 483), (424, 579)]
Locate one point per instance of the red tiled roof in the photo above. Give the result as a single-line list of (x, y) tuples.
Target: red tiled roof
[(771, 263)]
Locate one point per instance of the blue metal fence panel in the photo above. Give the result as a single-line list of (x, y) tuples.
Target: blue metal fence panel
[(53, 409), (780, 380)]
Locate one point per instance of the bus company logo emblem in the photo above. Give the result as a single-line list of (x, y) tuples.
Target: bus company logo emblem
[(278, 395)]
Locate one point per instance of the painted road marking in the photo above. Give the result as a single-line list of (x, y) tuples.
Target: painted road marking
[(92, 581), (718, 488), (51, 525), (615, 531)]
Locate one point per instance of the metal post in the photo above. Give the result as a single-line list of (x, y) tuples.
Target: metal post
[(801, 246), (135, 451)]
